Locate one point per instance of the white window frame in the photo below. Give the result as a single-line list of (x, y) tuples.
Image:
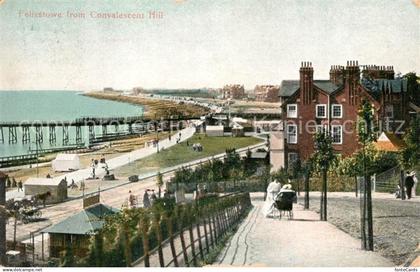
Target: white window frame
[(289, 115), (341, 134), (288, 134), (325, 110), (341, 110)]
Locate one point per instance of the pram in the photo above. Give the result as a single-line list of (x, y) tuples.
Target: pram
[(284, 203)]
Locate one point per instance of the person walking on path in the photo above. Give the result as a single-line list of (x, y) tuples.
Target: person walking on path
[(416, 181), (409, 183), (131, 199), (146, 200), (20, 186), (272, 190)]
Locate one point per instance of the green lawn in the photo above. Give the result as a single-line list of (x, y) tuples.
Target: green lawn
[(181, 153)]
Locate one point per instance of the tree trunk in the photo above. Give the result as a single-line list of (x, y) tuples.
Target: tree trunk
[(369, 213), (355, 186), (306, 206), (402, 183), (325, 196), (363, 215)]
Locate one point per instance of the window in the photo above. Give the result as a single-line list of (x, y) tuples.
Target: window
[(292, 111), (389, 111), (321, 111), (291, 158), (291, 134), (337, 134), (337, 111)]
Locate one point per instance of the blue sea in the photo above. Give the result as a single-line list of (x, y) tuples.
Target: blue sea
[(53, 106)]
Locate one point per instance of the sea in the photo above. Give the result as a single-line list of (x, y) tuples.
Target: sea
[(32, 106)]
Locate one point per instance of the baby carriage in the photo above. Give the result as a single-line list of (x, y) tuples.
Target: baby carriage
[(284, 203)]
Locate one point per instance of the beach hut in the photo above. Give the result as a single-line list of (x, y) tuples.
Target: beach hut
[(237, 130), (39, 186), (214, 131), (66, 162), (77, 230)]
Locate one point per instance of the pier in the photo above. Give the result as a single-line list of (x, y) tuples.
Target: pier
[(135, 124)]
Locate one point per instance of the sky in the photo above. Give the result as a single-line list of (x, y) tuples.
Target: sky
[(198, 43)]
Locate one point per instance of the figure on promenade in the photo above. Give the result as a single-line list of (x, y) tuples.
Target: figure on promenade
[(132, 200), (409, 183), (272, 190), (416, 181), (146, 200)]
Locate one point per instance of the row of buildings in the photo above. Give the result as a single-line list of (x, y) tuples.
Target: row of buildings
[(309, 104)]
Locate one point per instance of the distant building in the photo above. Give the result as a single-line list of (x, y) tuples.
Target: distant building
[(233, 91), (108, 89), (137, 90), (267, 93)]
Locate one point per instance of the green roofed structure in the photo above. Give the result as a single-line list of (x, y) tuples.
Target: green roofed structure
[(76, 230)]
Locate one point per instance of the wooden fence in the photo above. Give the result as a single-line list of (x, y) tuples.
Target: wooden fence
[(200, 228)]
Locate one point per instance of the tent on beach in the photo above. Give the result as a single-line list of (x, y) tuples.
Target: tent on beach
[(55, 186), (66, 162)]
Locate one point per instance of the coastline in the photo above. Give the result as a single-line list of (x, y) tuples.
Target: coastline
[(153, 108)]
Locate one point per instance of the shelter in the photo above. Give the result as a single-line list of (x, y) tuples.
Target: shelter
[(389, 142), (56, 187), (214, 131), (66, 162), (76, 230), (237, 130)]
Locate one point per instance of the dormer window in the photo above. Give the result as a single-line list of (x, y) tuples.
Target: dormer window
[(321, 111), (292, 111)]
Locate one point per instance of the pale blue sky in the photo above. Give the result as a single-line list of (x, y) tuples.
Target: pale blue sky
[(200, 43)]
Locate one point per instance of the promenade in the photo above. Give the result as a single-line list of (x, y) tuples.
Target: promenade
[(86, 173), (302, 242)]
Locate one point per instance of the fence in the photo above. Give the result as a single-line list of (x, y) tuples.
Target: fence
[(387, 181), (210, 221)]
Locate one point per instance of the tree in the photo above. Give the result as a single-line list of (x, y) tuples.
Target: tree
[(321, 161), (410, 155), (159, 182), (367, 134)]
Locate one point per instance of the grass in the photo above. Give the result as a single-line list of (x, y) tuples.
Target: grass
[(181, 153)]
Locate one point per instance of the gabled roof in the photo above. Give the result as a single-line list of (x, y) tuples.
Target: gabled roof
[(288, 87), (327, 86), (43, 181), (84, 222)]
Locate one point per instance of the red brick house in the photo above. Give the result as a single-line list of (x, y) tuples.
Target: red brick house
[(309, 104)]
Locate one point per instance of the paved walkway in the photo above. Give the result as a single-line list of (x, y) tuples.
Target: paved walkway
[(302, 242), (119, 161)]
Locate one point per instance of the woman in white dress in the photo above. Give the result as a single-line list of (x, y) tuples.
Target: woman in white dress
[(272, 190)]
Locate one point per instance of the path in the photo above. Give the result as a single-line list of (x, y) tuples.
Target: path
[(302, 242), (119, 161)]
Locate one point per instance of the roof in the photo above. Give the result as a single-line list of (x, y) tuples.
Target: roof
[(326, 85), (288, 87), (377, 86), (389, 142), (85, 222), (66, 157), (43, 181)]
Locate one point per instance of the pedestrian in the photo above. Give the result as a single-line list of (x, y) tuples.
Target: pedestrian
[(102, 158), (20, 186), (48, 175), (409, 183), (416, 181), (146, 200), (153, 198), (131, 199), (93, 165)]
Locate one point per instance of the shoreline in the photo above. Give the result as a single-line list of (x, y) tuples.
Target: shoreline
[(152, 108)]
